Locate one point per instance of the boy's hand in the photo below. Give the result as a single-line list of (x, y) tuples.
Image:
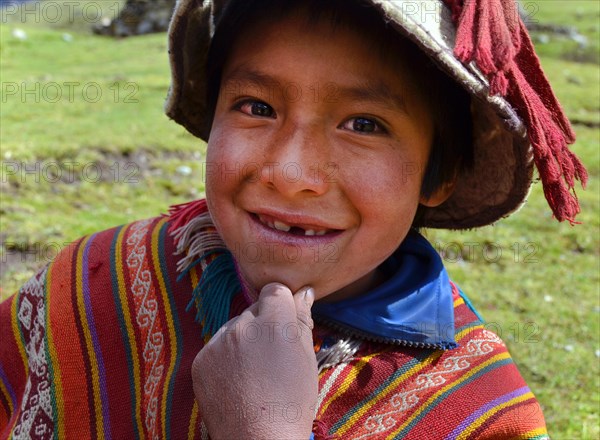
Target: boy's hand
[(257, 377)]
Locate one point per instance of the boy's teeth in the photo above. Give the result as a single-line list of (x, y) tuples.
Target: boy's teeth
[(281, 226)]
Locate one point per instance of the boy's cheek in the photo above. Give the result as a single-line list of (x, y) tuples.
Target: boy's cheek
[(227, 163)]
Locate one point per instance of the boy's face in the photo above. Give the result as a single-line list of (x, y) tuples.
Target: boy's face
[(315, 157)]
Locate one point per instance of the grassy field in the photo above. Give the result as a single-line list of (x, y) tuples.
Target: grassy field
[(85, 146)]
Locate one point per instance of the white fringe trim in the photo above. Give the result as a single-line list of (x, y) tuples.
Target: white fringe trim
[(196, 238)]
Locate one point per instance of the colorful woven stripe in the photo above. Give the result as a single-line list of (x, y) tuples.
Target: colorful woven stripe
[(479, 417), (98, 345)]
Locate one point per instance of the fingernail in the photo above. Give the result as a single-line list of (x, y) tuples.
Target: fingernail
[(309, 296)]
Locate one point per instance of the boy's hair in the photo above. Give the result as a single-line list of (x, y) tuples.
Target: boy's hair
[(448, 103)]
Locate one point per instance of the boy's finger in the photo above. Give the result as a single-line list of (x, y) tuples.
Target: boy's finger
[(304, 299), (234, 328), (251, 312), (276, 299)]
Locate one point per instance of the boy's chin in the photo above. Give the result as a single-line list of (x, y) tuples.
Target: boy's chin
[(294, 282), (324, 289)]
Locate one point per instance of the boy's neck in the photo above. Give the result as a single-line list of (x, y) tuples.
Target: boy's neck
[(359, 287)]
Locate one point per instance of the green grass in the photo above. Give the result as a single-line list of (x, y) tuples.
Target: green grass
[(92, 106), (536, 281), (584, 15)]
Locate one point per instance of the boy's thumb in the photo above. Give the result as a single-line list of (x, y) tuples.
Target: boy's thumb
[(275, 298), (304, 300)]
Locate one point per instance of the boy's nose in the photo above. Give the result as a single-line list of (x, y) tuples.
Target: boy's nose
[(298, 163)]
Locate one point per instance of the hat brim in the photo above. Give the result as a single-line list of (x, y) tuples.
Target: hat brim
[(500, 179)]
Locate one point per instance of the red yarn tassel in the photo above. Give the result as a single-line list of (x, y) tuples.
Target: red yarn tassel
[(558, 167), (528, 63), (488, 33), (181, 214), (465, 38), (491, 33)]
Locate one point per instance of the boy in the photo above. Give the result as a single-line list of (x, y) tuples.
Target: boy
[(330, 137)]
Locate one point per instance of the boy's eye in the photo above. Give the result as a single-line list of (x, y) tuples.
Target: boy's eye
[(363, 125), (256, 108)]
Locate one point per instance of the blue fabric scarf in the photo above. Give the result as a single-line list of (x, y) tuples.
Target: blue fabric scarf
[(413, 307)]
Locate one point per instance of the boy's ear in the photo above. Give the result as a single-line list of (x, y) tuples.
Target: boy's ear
[(440, 195)]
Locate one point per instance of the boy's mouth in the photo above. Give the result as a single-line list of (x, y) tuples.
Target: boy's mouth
[(295, 229)]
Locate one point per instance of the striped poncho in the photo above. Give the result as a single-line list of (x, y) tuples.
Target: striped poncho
[(99, 344)]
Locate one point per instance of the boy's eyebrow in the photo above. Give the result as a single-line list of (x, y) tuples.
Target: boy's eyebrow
[(373, 91), (369, 91), (245, 75)]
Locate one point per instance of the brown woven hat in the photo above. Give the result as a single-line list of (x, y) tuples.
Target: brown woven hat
[(509, 123)]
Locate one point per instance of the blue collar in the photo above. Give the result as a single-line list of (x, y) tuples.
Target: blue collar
[(414, 307)]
